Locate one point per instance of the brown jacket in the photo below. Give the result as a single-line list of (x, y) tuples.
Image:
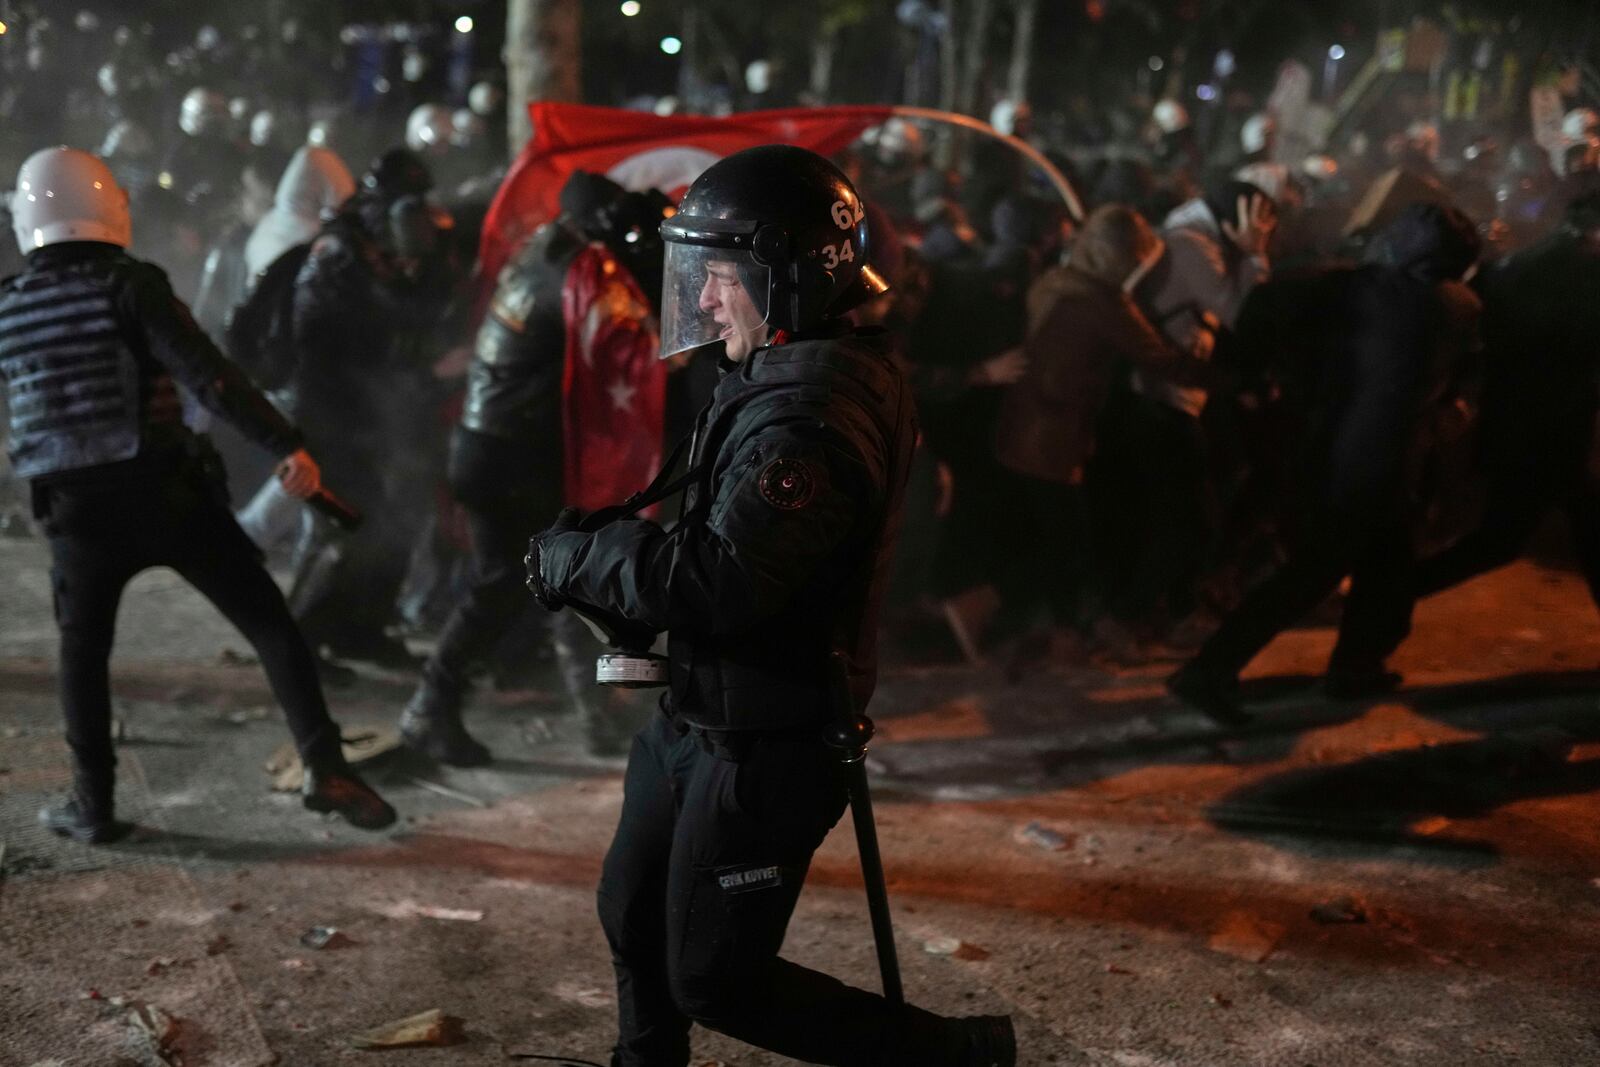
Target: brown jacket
[(1083, 331)]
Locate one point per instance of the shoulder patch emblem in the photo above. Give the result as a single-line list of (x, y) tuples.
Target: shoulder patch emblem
[(788, 484)]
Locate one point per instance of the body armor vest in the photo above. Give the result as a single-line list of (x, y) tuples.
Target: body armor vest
[(514, 381), (75, 390), (775, 676)]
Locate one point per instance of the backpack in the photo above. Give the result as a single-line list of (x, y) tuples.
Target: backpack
[(259, 332)]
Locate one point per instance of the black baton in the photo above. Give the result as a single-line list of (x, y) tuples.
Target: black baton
[(851, 733)]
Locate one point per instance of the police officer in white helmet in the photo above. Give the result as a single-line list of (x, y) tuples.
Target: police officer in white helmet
[(93, 348)]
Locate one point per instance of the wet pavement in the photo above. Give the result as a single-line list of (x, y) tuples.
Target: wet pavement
[(1409, 881)]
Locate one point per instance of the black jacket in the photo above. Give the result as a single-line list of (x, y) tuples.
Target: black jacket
[(514, 381), (783, 550), (365, 334), (92, 346)]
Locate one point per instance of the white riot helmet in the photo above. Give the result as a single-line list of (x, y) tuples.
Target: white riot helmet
[(263, 127), (466, 127), (1257, 133), (1170, 116), (484, 97), (1580, 124), (203, 111), (429, 128), (66, 194)]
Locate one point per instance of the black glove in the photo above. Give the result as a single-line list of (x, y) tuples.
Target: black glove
[(567, 522)]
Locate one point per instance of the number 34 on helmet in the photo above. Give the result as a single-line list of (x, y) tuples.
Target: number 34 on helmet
[(791, 225)]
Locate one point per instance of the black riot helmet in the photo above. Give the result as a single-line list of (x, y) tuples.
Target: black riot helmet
[(634, 235), (792, 227), (398, 172)]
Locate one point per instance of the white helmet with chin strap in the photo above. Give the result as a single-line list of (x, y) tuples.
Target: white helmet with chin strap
[(66, 194)]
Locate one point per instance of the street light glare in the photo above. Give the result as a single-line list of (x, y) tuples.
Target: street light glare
[(464, 24), (630, 8), (1336, 52), (671, 45)]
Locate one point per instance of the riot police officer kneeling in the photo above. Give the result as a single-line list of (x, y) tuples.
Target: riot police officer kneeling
[(779, 558), (93, 347)]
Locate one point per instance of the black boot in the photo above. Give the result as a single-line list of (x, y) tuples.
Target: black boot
[(991, 1041), (1216, 696), (335, 787), (85, 814), (431, 724), (1360, 682)]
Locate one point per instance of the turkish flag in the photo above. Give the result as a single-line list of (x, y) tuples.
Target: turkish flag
[(639, 150), (614, 388)]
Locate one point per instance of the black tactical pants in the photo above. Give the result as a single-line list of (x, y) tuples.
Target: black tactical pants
[(101, 536), (1519, 499), (1377, 612), (696, 895), (1044, 578), (506, 502)]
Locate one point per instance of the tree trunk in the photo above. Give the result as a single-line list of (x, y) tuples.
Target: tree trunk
[(972, 68), (542, 50), (822, 50), (948, 60), (1022, 51)]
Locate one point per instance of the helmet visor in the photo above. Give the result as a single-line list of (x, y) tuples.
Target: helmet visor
[(712, 294)]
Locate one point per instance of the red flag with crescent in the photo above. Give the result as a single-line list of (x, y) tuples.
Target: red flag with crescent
[(640, 150), (614, 387)]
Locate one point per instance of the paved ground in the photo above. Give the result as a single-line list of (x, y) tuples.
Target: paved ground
[(1135, 886)]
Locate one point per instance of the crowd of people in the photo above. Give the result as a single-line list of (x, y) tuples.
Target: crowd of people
[(1183, 421), (1236, 380), (1162, 419)]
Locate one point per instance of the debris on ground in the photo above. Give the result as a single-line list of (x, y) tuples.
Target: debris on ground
[(955, 948), (538, 728), (295, 963), (585, 996), (432, 1027), (218, 945), (325, 937), (446, 791), (242, 716), (359, 747), (159, 965), (1117, 968), (1245, 937), (1221, 1000), (1041, 836), (230, 657), (1341, 910), (410, 909), (157, 1027)]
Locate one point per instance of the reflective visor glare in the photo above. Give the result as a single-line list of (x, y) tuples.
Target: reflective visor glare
[(706, 294)]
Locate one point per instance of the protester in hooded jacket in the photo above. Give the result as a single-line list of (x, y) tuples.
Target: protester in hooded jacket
[(1083, 331), (312, 188), (1387, 343), (1156, 462), (314, 185)]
